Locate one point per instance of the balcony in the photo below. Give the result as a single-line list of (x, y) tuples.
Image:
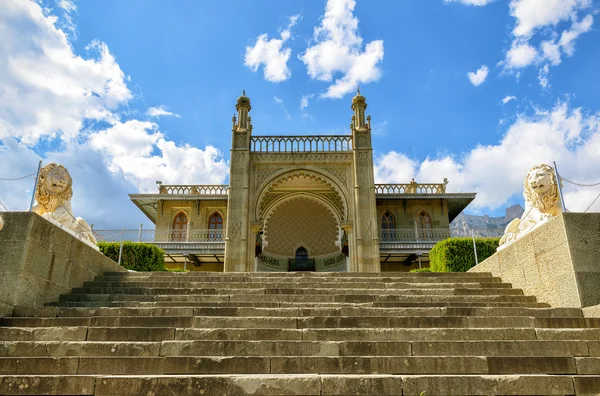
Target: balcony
[(198, 246)]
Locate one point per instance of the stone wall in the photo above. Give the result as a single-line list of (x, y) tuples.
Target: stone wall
[(39, 261), (559, 262)]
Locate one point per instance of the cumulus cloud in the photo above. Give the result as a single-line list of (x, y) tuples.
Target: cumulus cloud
[(337, 50), (160, 111), (479, 76), (546, 18), (61, 107), (271, 54), (508, 99), (562, 134)]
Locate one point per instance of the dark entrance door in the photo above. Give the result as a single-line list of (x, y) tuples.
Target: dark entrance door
[(301, 262)]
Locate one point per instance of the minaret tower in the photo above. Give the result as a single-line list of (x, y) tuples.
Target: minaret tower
[(366, 224), (238, 237)]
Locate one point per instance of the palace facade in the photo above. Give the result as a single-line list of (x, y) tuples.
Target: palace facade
[(301, 203)]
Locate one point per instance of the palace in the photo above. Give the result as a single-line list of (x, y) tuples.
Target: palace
[(301, 203)]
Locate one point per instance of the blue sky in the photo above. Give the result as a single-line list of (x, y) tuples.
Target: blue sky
[(128, 92)]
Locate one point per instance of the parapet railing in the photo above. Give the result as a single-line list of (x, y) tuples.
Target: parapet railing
[(410, 188), (200, 189), (417, 234), (414, 235), (301, 144), (158, 236)]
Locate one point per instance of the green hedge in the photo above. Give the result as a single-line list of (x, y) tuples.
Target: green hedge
[(456, 254), (421, 270), (136, 256)]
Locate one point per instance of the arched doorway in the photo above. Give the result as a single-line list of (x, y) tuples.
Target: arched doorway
[(215, 227), (301, 262), (179, 229), (425, 231), (388, 227)]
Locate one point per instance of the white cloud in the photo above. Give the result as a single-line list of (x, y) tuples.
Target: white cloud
[(479, 76), (54, 98), (160, 111), (285, 110), (478, 3), (546, 18), (271, 54), (496, 172), (521, 54), (337, 49), (128, 148), (543, 75), (508, 99)]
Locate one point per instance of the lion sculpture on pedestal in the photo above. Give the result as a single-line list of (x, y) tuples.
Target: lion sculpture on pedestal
[(542, 202), (53, 195)]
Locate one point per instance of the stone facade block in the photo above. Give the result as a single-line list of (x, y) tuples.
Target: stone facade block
[(557, 262), (39, 261)]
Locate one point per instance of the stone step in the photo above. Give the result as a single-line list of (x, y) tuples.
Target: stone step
[(303, 384), (178, 365), (406, 334), (298, 281), (297, 291), (288, 275), (287, 304), (296, 312), (287, 285), (264, 322), (300, 348), (303, 298)]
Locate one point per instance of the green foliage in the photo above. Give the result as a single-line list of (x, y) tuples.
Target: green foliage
[(177, 270), (421, 270), (456, 254), (136, 256)]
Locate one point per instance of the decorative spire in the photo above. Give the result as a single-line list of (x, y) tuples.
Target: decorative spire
[(359, 105), (243, 107)]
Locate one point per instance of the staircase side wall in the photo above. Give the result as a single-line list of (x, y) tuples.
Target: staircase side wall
[(558, 262), (39, 261)]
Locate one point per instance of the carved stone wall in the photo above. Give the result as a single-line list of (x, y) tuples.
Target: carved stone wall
[(301, 221)]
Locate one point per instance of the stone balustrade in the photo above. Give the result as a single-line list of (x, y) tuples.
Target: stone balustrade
[(301, 144)]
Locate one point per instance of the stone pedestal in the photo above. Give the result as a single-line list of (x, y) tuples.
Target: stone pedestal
[(559, 262), (40, 261)]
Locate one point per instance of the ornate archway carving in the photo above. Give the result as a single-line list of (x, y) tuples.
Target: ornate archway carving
[(301, 182)]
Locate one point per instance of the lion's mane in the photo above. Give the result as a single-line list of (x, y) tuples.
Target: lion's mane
[(46, 198), (546, 202)]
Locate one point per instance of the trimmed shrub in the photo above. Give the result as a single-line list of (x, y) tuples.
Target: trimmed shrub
[(421, 270), (456, 254), (136, 256)]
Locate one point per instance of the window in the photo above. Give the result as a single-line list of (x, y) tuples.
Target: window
[(388, 226), (179, 230), (215, 227), (301, 253), (425, 225)]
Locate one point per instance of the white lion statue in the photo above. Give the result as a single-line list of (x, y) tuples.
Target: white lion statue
[(542, 202), (1, 222), (53, 195)]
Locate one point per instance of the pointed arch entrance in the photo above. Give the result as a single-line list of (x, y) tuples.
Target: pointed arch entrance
[(301, 213)]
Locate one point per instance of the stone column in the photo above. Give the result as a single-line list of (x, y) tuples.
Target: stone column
[(237, 229), (366, 226)]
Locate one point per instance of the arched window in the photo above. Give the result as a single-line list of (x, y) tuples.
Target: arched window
[(179, 230), (425, 225), (388, 226), (301, 253), (215, 227)]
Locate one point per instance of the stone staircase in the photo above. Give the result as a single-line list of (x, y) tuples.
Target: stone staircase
[(155, 334)]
